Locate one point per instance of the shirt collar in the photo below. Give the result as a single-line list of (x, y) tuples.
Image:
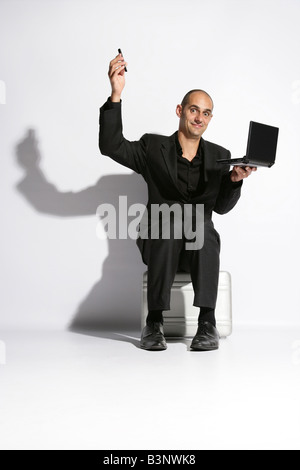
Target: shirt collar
[(179, 149)]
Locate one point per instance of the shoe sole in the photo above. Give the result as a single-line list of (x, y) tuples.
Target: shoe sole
[(154, 348), (201, 348)]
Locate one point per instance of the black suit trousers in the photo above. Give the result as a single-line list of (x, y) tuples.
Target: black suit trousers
[(166, 257)]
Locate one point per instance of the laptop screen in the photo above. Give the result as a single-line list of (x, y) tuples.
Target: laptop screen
[(262, 142)]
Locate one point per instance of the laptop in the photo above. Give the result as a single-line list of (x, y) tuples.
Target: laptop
[(261, 147)]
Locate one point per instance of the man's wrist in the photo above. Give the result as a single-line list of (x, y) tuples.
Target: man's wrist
[(115, 98), (235, 183)]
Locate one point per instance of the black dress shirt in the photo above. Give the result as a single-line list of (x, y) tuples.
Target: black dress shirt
[(190, 176)]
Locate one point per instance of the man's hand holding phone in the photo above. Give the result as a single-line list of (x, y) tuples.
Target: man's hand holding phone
[(116, 73)]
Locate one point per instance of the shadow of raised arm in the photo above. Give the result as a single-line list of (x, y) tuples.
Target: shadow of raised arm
[(43, 195)]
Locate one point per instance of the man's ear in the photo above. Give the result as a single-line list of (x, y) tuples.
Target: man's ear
[(179, 110)]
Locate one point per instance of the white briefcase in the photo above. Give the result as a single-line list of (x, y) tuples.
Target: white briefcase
[(182, 319)]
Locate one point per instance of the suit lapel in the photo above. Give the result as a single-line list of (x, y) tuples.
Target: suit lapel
[(168, 149), (205, 163)]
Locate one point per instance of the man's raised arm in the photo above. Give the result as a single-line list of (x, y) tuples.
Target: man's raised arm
[(116, 75), (111, 140)]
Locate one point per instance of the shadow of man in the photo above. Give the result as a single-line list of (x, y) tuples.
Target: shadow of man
[(114, 302)]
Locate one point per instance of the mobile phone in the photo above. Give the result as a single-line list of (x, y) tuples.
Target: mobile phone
[(120, 52)]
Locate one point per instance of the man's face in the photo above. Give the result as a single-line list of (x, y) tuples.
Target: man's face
[(195, 116)]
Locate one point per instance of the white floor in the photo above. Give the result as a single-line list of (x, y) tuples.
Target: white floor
[(64, 390)]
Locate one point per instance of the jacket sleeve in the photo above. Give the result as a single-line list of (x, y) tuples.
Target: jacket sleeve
[(229, 193), (112, 142)]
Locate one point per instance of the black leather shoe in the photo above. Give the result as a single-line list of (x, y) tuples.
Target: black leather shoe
[(207, 337), (153, 337)]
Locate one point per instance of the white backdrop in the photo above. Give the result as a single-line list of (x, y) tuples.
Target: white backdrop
[(54, 59)]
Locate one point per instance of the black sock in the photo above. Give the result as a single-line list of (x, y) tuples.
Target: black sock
[(207, 314), (155, 316)]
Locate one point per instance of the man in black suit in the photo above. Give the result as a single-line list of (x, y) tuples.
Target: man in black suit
[(182, 170)]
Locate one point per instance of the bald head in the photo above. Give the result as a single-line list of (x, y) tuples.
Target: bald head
[(188, 97)]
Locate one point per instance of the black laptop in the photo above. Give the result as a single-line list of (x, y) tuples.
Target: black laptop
[(261, 147)]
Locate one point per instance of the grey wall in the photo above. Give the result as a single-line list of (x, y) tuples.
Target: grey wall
[(53, 69)]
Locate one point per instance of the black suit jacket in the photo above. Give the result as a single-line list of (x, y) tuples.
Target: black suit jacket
[(155, 158)]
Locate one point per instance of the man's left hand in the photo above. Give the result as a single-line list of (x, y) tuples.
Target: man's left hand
[(240, 173)]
